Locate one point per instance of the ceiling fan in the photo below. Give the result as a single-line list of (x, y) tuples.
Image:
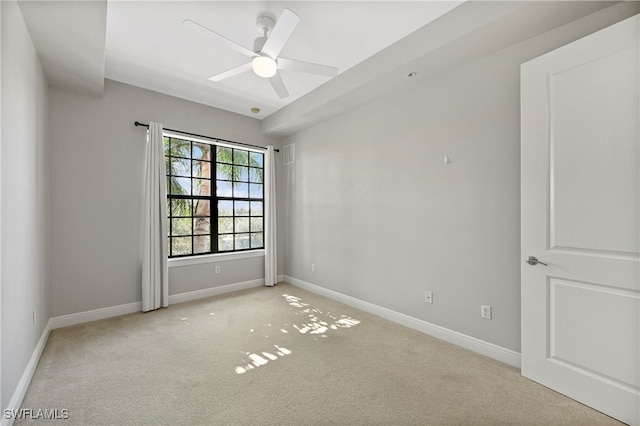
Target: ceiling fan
[(265, 61)]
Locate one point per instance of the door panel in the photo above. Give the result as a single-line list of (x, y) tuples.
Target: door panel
[(589, 159), (581, 318), (580, 204)]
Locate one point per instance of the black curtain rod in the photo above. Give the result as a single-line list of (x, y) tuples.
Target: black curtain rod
[(137, 123)]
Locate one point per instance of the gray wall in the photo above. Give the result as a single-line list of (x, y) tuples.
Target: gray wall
[(24, 199), (371, 204), (96, 187)]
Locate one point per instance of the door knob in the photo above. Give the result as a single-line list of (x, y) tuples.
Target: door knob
[(531, 260)]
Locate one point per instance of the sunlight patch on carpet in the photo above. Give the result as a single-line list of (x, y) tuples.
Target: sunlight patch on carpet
[(258, 360), (294, 301), (314, 322)]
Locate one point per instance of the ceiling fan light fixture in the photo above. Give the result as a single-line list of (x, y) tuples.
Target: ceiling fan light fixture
[(264, 66)]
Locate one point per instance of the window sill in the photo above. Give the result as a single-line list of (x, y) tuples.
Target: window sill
[(214, 258)]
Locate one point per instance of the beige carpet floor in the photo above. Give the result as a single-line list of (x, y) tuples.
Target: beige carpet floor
[(282, 356)]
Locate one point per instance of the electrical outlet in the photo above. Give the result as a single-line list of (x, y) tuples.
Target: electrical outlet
[(35, 318), (428, 297), (313, 267), (217, 269), (485, 311)]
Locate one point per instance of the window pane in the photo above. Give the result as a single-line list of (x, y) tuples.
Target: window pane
[(181, 226), (179, 148), (224, 171), (202, 187), (242, 241), (179, 186), (202, 244), (240, 190), (224, 189), (255, 175), (225, 242), (202, 169), (203, 208), (255, 190), (225, 225), (256, 208), (224, 155), (257, 240), (241, 208), (225, 208), (242, 224), (240, 157), (201, 151), (256, 224), (256, 159), (180, 207), (241, 173), (201, 226), (165, 142), (180, 245), (180, 167)]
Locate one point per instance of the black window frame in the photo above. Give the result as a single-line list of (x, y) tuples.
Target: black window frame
[(255, 223)]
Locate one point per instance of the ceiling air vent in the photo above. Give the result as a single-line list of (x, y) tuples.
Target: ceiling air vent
[(289, 154)]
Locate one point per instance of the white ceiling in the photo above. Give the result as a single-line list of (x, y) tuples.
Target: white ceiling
[(69, 38), (147, 45), (374, 44)]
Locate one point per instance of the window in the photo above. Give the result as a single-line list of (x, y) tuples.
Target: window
[(215, 197)]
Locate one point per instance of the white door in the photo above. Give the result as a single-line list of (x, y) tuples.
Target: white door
[(580, 215)]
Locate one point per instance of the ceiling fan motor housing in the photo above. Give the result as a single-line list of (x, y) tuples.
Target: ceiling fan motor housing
[(264, 25)]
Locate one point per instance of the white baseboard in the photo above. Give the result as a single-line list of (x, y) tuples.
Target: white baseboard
[(94, 315), (476, 345), (214, 291), (129, 308), (25, 380)]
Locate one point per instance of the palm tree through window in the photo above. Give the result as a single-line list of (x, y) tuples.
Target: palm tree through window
[(215, 197)]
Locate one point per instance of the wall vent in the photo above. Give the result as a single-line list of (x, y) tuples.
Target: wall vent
[(289, 154)]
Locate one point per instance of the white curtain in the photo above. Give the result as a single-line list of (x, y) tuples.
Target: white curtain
[(270, 248), (155, 281)]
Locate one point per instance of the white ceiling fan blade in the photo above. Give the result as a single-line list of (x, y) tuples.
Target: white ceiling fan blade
[(308, 67), (219, 38), (233, 71), (278, 85), (280, 33)]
